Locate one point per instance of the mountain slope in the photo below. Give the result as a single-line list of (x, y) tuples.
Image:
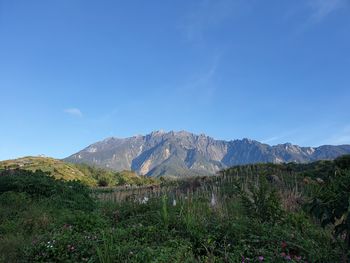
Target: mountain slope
[(183, 153)]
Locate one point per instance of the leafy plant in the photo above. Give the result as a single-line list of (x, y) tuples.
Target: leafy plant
[(164, 211), (105, 252), (331, 204), (262, 202)]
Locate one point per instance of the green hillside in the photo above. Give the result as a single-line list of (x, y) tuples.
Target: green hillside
[(67, 171)]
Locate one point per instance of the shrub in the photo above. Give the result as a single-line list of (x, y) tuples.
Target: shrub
[(343, 162), (331, 204), (262, 202), (63, 245), (102, 182), (39, 185)]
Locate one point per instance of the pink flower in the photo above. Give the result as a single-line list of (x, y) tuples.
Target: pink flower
[(261, 258), (284, 245), (70, 247)]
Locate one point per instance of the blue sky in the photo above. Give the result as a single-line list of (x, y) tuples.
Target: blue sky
[(73, 72)]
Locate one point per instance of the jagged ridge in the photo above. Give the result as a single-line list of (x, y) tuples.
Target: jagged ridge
[(184, 154)]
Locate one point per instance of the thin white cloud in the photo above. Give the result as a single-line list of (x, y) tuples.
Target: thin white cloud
[(281, 138), (74, 112), (320, 9), (204, 85), (203, 80), (206, 15), (272, 139)]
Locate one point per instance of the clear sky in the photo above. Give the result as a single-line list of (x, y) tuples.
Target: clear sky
[(73, 72)]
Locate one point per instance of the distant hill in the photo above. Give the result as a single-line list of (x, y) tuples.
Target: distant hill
[(68, 171), (184, 154)]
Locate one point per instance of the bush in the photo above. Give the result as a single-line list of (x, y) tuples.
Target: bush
[(102, 182), (262, 202), (63, 245), (331, 204), (343, 162), (39, 185)]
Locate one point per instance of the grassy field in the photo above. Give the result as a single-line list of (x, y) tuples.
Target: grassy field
[(252, 213)]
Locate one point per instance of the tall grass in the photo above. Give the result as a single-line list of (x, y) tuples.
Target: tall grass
[(244, 212), (105, 250)]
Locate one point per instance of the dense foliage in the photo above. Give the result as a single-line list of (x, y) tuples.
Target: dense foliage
[(252, 213), (39, 185), (331, 203), (89, 175), (111, 178)]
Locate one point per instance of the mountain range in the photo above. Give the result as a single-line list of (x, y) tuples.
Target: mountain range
[(184, 154)]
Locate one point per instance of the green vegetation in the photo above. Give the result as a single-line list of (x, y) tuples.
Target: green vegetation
[(331, 203), (57, 168), (105, 177), (251, 213), (88, 175)]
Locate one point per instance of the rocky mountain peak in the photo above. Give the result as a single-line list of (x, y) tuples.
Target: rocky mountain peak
[(181, 153)]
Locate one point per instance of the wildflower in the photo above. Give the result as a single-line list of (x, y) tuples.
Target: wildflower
[(213, 200), (288, 257), (49, 244), (70, 247), (284, 244), (144, 200), (261, 258), (245, 259)]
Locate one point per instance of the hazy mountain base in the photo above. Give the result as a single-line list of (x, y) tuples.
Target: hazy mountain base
[(235, 217), (186, 154)]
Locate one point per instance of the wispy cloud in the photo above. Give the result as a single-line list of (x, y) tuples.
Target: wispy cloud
[(206, 15), (74, 112), (272, 139), (203, 80), (285, 136), (320, 9), (203, 85)]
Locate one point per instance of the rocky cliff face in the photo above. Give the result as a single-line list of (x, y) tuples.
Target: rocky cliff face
[(185, 154)]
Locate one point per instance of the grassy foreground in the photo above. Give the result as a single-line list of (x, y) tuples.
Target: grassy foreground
[(256, 213)]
